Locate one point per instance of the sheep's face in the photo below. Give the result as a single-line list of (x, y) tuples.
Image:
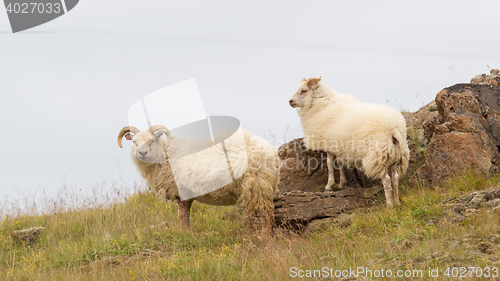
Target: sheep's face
[(304, 92), (147, 147)]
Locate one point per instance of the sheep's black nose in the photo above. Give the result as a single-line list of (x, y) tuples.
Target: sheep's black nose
[(143, 152), (291, 101)]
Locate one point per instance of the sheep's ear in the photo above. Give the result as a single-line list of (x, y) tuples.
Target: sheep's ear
[(128, 136), (312, 83), (303, 80), (158, 134)]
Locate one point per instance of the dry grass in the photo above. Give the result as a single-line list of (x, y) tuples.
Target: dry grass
[(140, 239)]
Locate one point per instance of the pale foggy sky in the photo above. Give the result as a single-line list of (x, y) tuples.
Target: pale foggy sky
[(66, 86)]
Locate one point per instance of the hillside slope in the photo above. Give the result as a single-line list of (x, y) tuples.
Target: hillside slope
[(141, 240)]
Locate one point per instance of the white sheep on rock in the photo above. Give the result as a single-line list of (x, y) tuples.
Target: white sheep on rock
[(254, 191), (369, 137)]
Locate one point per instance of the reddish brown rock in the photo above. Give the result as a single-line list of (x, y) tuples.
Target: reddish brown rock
[(417, 158), (467, 134), (483, 79), (421, 124), (451, 153), (301, 168)]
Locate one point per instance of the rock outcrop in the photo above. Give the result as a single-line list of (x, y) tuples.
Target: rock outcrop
[(466, 134), (301, 168), (298, 208), (460, 208), (28, 235), (303, 177), (306, 170), (420, 126), (492, 79)]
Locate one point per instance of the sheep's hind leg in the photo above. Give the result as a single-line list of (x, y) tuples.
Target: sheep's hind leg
[(386, 183), (395, 183), (343, 180), (268, 223), (331, 176), (184, 212)]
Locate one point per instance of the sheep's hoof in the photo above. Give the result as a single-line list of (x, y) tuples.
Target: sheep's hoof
[(334, 187), (331, 187)]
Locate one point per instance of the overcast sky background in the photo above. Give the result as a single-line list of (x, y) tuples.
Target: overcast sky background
[(66, 86)]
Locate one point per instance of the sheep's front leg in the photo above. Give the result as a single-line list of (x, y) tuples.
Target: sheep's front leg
[(331, 176), (386, 183), (395, 183), (343, 180), (184, 211)]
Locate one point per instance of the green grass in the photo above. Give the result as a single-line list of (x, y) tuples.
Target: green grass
[(119, 242)]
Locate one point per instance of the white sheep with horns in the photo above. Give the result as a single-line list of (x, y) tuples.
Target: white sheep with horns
[(254, 191), (369, 137)]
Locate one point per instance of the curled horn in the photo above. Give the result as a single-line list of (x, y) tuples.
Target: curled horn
[(155, 128), (127, 129)]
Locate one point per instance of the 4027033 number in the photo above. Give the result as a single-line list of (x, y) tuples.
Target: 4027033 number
[(34, 8), (471, 271)]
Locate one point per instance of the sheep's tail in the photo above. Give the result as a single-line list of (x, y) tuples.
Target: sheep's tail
[(401, 151), (258, 186)]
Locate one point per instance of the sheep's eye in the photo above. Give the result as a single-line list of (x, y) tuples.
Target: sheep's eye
[(304, 91), (135, 143)]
